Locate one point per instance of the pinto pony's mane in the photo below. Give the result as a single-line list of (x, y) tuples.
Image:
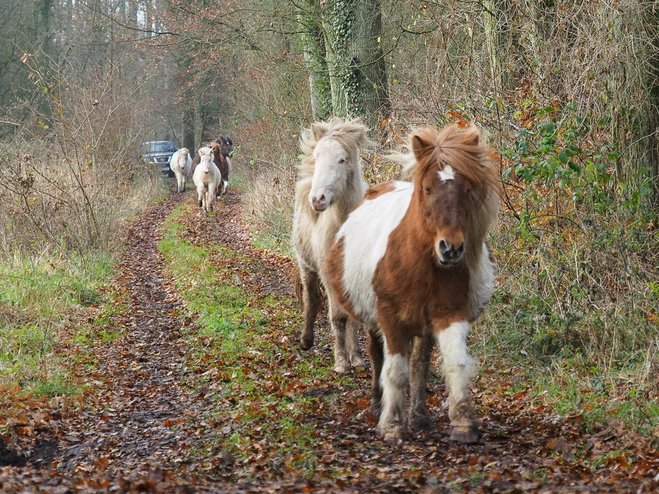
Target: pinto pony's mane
[(351, 135), (467, 153)]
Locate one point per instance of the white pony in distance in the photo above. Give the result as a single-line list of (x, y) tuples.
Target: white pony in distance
[(206, 177), (181, 165)]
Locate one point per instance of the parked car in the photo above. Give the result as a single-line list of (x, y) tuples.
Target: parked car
[(160, 154)]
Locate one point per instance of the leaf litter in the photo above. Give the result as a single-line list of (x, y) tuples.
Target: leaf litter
[(165, 411)]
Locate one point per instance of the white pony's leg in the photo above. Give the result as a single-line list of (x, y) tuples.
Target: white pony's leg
[(352, 344), (210, 196), (200, 195), (459, 368), (393, 379)]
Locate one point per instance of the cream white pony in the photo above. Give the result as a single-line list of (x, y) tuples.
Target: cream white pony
[(330, 186), (181, 165), (206, 177)]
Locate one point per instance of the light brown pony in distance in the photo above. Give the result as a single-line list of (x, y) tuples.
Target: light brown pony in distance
[(330, 185), (411, 262)]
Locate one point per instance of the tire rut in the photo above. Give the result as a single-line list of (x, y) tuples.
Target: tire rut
[(143, 418)]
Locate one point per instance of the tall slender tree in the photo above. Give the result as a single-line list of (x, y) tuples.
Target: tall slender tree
[(315, 57)]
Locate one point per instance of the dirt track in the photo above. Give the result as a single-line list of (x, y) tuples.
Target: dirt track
[(142, 423)]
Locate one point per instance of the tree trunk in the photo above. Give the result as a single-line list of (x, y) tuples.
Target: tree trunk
[(199, 125), (647, 132), (357, 72), (188, 129), (494, 20), (313, 44), (368, 73)]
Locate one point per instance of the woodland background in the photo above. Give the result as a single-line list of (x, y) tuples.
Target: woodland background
[(566, 91)]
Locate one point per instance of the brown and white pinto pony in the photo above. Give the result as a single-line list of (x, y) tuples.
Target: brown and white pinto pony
[(411, 262), (330, 185)]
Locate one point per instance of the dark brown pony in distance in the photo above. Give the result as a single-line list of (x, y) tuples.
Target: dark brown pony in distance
[(223, 166), (411, 262)]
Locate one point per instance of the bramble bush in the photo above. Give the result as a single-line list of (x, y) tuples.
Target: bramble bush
[(575, 244)]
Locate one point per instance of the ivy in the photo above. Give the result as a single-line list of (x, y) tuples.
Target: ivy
[(552, 150)]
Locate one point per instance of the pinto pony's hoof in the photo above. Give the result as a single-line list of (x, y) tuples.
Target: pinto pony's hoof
[(465, 435)]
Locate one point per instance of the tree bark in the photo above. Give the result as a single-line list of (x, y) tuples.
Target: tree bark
[(313, 44), (357, 72), (494, 23), (368, 73)]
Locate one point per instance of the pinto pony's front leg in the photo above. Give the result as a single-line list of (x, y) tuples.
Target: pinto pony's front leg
[(393, 379), (419, 370), (458, 370)]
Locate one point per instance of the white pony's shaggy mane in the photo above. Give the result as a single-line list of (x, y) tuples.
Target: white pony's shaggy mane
[(351, 135)]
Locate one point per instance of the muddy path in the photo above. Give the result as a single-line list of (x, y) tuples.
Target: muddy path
[(142, 424)]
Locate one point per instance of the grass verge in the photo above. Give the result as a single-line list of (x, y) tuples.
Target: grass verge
[(40, 298)]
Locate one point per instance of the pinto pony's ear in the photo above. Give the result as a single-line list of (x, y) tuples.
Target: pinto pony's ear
[(421, 146)]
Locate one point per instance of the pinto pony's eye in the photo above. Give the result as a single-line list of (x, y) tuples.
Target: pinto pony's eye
[(427, 190)]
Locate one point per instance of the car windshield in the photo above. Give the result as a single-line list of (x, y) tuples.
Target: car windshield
[(161, 147)]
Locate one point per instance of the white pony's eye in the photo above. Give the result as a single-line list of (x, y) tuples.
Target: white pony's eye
[(342, 161)]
